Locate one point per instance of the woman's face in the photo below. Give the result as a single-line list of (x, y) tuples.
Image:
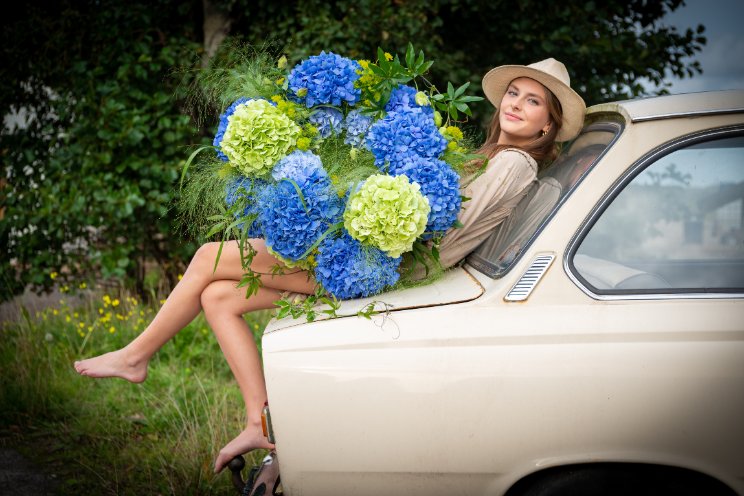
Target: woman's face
[(523, 113)]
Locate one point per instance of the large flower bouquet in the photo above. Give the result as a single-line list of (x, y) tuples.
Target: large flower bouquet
[(344, 167)]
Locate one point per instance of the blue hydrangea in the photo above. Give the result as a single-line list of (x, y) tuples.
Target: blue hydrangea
[(404, 97), (347, 269), (292, 227), (401, 136), (327, 78), (441, 186), (224, 120), (247, 191), (327, 120), (357, 124), (298, 166)]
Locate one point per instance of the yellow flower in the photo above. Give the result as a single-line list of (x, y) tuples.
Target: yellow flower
[(454, 132), (81, 333), (100, 310), (388, 56), (309, 130), (437, 118), (81, 325), (53, 276), (180, 276), (76, 315), (282, 62), (115, 303), (303, 143), (142, 312), (90, 328), (421, 98), (106, 299), (112, 329), (280, 81), (64, 289), (55, 312), (82, 285), (162, 301), (67, 319)]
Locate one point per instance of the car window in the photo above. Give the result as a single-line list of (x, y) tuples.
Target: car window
[(677, 226), (498, 252)]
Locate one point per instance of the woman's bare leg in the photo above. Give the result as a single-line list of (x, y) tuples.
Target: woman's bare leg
[(184, 304), (224, 305)]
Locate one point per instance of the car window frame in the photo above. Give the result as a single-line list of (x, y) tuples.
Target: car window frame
[(648, 159), (601, 121)]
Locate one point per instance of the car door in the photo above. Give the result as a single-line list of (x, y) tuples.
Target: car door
[(662, 261)]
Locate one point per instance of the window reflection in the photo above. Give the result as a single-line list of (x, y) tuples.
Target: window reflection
[(680, 220)]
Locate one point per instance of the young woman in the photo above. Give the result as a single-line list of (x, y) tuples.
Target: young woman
[(535, 107)]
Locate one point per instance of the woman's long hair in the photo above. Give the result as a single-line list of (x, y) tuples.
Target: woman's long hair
[(543, 149)]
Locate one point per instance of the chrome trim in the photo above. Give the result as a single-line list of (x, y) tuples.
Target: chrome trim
[(610, 195), (526, 284), (650, 296), (697, 113)]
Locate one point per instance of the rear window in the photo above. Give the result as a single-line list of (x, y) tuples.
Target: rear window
[(495, 256)]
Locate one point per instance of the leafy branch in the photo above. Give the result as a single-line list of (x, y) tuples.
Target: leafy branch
[(390, 73), (455, 101)]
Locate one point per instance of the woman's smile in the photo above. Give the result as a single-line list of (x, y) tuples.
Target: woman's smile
[(523, 113)]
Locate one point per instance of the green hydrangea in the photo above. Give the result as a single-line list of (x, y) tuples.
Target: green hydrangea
[(387, 212), (257, 136)]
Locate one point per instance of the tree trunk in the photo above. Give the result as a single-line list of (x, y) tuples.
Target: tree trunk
[(216, 28)]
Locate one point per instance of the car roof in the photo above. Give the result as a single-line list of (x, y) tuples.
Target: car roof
[(670, 106)]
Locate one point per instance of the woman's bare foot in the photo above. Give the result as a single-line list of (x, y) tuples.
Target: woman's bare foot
[(251, 438), (113, 364)]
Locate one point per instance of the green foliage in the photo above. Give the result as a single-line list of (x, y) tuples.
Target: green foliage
[(90, 178), (607, 46), (110, 436)]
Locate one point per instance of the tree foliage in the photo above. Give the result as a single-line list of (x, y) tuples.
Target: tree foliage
[(609, 47), (88, 180), (91, 174)]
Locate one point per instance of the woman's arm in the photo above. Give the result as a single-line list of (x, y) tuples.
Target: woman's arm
[(493, 195)]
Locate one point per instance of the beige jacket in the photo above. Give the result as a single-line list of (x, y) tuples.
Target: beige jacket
[(493, 195)]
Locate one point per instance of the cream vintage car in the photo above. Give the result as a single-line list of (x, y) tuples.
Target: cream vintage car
[(594, 344)]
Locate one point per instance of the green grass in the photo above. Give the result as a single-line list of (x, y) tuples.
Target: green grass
[(109, 436)]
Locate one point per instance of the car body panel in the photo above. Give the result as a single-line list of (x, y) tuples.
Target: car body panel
[(468, 395)]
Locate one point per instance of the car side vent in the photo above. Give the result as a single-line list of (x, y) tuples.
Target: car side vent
[(524, 286)]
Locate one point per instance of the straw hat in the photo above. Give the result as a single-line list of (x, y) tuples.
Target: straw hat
[(551, 74)]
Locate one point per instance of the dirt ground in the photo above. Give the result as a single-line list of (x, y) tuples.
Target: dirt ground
[(20, 477)]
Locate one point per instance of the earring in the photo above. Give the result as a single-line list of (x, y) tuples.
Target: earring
[(544, 132)]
